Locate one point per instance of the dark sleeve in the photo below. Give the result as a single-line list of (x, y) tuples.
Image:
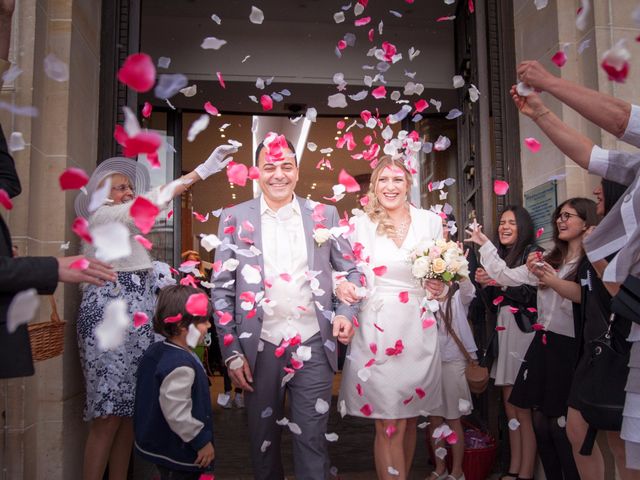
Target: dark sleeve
[(524, 295), (22, 273), (9, 180)]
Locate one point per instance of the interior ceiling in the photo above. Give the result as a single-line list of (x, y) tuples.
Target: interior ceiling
[(296, 45)]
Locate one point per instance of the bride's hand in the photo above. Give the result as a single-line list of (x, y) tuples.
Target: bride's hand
[(346, 293), (475, 235), (435, 287)]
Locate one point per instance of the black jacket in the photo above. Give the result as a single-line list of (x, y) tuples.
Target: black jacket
[(16, 275)]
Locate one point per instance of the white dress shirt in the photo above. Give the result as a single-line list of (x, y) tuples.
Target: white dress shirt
[(555, 313), (284, 252)]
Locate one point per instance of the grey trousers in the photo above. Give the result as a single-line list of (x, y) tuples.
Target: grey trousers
[(265, 405)]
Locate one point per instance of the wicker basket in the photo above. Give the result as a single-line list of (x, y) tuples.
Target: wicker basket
[(47, 338)]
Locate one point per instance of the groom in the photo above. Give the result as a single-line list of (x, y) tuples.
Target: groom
[(274, 312)]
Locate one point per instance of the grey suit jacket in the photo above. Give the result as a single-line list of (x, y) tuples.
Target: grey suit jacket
[(336, 254)]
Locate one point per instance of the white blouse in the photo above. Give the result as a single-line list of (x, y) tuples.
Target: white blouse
[(555, 313)]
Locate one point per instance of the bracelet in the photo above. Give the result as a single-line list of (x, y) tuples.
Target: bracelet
[(535, 119)]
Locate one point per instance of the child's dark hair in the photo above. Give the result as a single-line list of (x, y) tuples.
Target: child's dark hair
[(171, 302)]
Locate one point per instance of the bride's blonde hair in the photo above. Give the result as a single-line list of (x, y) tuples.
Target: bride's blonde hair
[(376, 212)]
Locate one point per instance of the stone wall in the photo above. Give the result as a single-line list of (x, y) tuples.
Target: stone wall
[(43, 433)]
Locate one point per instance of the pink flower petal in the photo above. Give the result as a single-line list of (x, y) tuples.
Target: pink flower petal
[(379, 271), (173, 319), (227, 340), (498, 300), (378, 327), (373, 347), (189, 280), (340, 125), (513, 310), (500, 187), (537, 326), (80, 264), (153, 160), (143, 241), (73, 179), (207, 476), (445, 19), (544, 338), (5, 201), (539, 232), (428, 322), (420, 392), (403, 297), (237, 173), (286, 277), (220, 79), (144, 213), (279, 351), (614, 74), (366, 410), (471, 7), (210, 109), (138, 72), (421, 105), (390, 430), (532, 144), (364, 200), (341, 45), (254, 173), (266, 102), (452, 438), (362, 21), (370, 35), (407, 401), (147, 109), (197, 305), (224, 317), (379, 92), (80, 227), (559, 58), (532, 309), (140, 319), (348, 181), (359, 389), (500, 328)]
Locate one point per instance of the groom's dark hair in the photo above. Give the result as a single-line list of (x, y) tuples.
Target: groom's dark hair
[(261, 147)]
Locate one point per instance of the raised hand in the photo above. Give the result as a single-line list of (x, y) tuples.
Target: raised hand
[(532, 105), (535, 75), (216, 161), (475, 235)]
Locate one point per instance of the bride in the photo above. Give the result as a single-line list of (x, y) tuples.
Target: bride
[(392, 370)]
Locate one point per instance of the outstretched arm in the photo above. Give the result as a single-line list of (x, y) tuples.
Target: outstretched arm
[(571, 142), (609, 113)]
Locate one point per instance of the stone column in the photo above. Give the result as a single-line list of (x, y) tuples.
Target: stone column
[(43, 433)]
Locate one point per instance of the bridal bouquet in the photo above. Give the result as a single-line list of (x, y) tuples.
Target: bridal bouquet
[(439, 260)]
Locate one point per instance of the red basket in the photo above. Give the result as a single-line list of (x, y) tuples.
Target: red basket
[(477, 463)]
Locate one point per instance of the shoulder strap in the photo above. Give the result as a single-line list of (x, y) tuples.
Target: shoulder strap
[(458, 342)]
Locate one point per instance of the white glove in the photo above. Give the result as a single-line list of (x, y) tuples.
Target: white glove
[(216, 161)]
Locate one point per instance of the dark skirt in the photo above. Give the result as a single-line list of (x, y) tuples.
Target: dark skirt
[(545, 377)]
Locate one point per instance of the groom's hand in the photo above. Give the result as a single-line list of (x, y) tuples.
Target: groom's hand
[(343, 329), (241, 376)]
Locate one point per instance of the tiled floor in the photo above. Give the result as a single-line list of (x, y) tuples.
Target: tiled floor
[(352, 454)]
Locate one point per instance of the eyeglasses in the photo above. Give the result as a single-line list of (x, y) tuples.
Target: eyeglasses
[(565, 216), (123, 188)]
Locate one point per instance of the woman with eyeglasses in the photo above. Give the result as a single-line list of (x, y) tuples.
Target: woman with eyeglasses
[(546, 372), (110, 365)]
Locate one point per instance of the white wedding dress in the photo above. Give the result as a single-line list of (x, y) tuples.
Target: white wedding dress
[(392, 369)]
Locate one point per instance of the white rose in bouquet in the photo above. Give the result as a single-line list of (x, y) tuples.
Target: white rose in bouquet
[(421, 267)]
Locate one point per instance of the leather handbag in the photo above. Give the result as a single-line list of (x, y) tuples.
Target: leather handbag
[(601, 392), (477, 376)]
